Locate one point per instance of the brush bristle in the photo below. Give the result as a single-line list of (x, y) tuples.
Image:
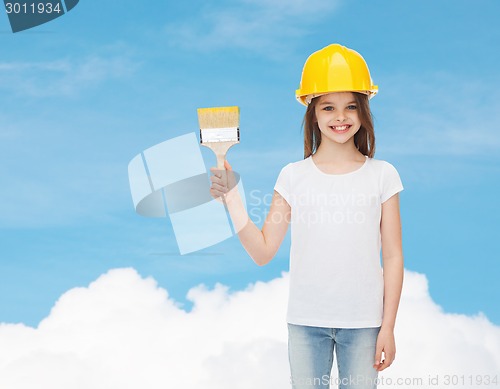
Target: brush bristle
[(220, 117)]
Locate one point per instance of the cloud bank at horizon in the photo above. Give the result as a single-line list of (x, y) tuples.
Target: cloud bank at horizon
[(123, 331)]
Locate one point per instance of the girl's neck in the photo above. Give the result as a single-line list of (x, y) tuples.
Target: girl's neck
[(337, 153)]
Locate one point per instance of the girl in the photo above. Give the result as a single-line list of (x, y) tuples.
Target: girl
[(343, 208)]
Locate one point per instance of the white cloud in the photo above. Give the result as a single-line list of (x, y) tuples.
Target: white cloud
[(267, 27), (123, 331), (62, 77)]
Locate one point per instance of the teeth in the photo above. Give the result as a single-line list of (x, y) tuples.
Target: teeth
[(340, 128)]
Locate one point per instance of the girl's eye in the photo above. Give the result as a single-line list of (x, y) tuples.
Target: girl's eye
[(328, 108), (352, 107)]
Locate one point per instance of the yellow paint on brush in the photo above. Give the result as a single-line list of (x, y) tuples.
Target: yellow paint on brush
[(220, 117)]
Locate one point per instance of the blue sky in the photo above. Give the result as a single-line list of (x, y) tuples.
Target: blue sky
[(82, 95)]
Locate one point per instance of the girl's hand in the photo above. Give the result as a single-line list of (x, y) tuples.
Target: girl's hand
[(387, 345), (222, 181)]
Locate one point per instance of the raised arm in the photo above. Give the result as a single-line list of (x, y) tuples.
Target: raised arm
[(261, 245)]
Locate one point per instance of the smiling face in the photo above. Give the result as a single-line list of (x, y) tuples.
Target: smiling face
[(337, 117)]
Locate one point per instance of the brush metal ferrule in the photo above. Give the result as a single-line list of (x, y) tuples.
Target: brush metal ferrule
[(226, 134)]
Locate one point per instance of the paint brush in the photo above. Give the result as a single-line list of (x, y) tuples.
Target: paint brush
[(219, 130)]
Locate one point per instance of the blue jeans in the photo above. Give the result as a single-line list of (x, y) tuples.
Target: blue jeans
[(310, 352)]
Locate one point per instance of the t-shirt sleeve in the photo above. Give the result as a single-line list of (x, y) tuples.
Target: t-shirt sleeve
[(391, 182), (282, 185)]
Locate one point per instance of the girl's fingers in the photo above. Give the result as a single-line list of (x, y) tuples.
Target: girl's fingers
[(388, 360), (216, 180), (221, 177), (222, 180), (378, 357), (217, 173), (216, 194), (219, 188)]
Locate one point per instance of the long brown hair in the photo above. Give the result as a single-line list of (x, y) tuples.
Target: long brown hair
[(364, 139)]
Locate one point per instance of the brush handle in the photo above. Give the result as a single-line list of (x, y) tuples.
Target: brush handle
[(220, 150), (220, 161)]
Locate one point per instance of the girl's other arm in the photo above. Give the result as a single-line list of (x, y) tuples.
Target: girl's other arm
[(392, 258), (261, 245)]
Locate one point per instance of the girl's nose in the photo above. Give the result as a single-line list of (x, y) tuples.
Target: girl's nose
[(340, 117)]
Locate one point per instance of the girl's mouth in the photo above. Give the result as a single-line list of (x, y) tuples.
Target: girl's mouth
[(341, 129)]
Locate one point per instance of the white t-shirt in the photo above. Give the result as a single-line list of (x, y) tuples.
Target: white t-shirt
[(336, 277)]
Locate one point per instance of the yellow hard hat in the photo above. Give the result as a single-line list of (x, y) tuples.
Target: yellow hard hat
[(334, 68)]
